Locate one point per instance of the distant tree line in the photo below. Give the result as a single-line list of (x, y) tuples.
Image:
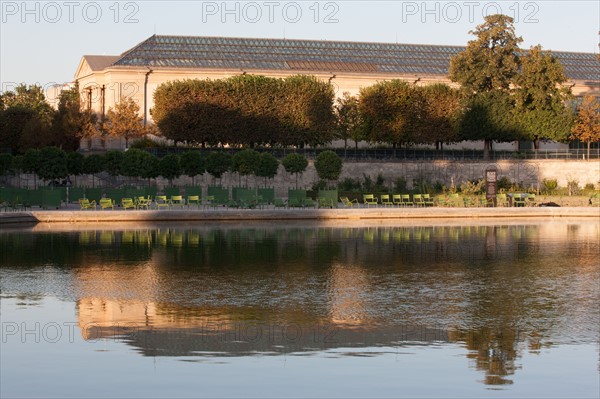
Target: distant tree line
[(55, 164), (503, 94)]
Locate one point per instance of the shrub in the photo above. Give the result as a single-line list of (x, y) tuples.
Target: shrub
[(350, 184), (400, 185), (504, 183), (473, 187), (328, 165), (573, 187), (550, 185)]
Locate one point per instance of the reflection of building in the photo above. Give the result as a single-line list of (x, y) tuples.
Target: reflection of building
[(349, 66), (348, 291)]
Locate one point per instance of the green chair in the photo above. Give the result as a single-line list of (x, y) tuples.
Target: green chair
[(519, 200), (406, 200), (385, 200), (397, 199), (177, 201), (127, 203), (143, 202), (106, 203), (530, 200), (349, 203), (418, 200), (161, 201), (428, 200), (501, 200), (369, 199), (87, 204), (194, 200)]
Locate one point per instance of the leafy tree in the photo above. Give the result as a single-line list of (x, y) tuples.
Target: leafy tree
[(113, 161), (393, 112), (52, 163), (170, 167), (134, 163), (349, 121), (267, 166), (152, 168), (192, 164), (295, 163), (30, 163), (328, 165), (491, 61), (124, 121), (587, 124), (245, 162), (75, 163), (540, 97), (246, 110), (26, 119), (442, 110), (69, 124), (217, 163), (488, 117), (93, 164), (6, 164), (489, 64)]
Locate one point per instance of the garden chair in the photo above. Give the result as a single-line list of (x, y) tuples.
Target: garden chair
[(161, 201), (127, 203), (369, 199), (519, 200), (194, 200), (177, 200), (106, 203), (87, 204), (428, 200), (397, 199), (418, 200), (406, 200), (501, 200), (530, 200), (349, 203), (210, 201), (143, 202), (385, 200)]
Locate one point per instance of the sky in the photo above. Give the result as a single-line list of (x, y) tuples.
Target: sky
[(42, 42)]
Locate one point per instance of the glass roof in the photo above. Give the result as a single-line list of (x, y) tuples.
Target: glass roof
[(330, 56)]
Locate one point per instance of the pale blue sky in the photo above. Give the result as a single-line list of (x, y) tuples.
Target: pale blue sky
[(42, 42)]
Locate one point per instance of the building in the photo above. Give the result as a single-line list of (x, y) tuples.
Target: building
[(349, 66)]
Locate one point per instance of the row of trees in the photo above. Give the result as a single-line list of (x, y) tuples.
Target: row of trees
[(27, 121), (53, 163), (504, 94)]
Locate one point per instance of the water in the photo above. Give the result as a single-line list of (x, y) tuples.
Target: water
[(301, 309)]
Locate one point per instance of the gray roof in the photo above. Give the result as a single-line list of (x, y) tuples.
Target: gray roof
[(99, 62), (315, 55)]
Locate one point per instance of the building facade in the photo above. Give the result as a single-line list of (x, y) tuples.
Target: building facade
[(348, 66)]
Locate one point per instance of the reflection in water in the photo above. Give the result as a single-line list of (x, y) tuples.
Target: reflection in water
[(232, 291)]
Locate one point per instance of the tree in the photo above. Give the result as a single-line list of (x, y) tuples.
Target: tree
[(192, 164), (93, 164), (52, 164), (135, 163), (170, 167), (112, 163), (393, 112), (540, 97), (488, 117), (124, 121), (442, 109), (295, 163), (69, 123), (6, 164), (217, 163), (245, 163), (587, 124), (30, 163), (349, 121), (267, 166), (328, 165), (490, 62), (75, 163)]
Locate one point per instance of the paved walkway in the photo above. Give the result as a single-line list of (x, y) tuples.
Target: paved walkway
[(72, 214)]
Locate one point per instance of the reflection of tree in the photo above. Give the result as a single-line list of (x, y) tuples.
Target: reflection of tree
[(493, 351)]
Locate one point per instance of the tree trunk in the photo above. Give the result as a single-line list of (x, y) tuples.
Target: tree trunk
[(589, 143), (486, 149)]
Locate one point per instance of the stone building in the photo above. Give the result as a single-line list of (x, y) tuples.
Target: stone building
[(349, 66)]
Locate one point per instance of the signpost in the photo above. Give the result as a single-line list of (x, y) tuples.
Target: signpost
[(491, 185)]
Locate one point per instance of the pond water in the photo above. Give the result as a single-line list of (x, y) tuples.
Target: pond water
[(301, 310)]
